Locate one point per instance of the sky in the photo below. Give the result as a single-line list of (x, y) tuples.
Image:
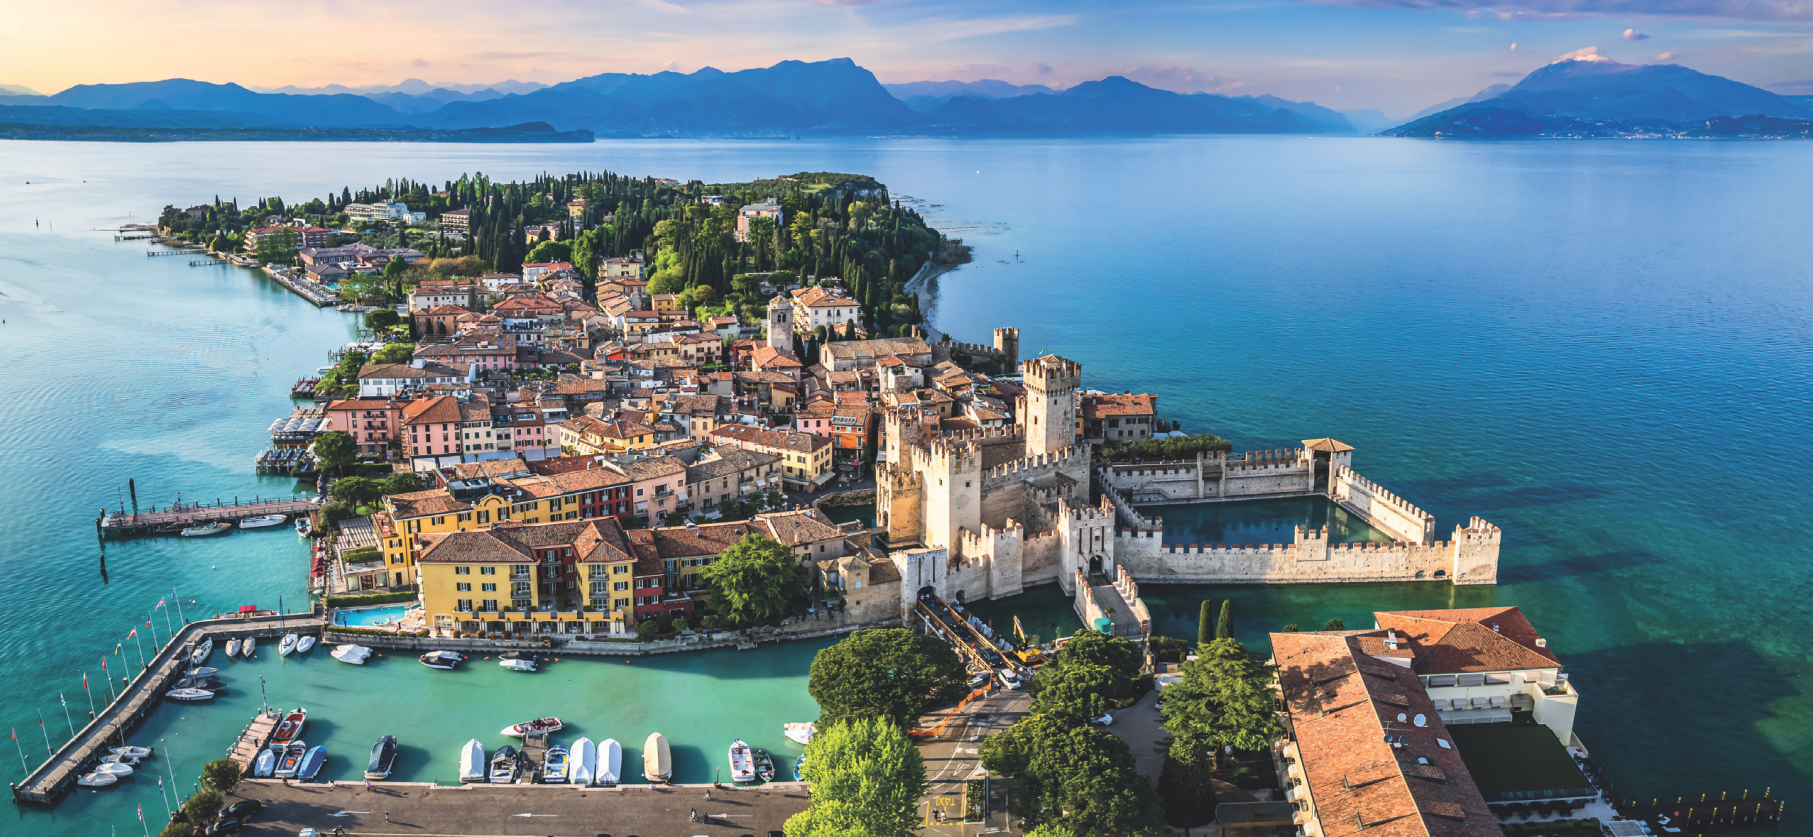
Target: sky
[(1398, 56)]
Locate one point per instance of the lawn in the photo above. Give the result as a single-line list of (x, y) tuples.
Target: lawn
[(1511, 759)]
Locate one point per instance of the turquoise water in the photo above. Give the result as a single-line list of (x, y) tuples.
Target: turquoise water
[(365, 617), (1600, 347), (1262, 522)]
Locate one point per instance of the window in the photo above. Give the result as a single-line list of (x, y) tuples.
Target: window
[(519, 589), (462, 570), (484, 517), (465, 606), (487, 571), (463, 587), (620, 602), (620, 569), (490, 605), (621, 585), (488, 587)]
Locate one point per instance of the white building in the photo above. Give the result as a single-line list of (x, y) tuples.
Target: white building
[(765, 209)]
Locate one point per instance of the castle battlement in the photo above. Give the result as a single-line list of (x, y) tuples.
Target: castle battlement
[(1060, 458), (1055, 372), (1125, 511), (979, 433), (1380, 495), (1478, 531)]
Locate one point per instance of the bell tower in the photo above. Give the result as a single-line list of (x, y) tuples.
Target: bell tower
[(780, 323)]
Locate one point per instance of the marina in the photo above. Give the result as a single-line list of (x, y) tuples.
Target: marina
[(173, 521)]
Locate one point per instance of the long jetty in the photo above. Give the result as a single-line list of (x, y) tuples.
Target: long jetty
[(185, 516), (142, 696)]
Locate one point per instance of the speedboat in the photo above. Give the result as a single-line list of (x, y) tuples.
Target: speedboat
[(742, 762), (202, 652), (443, 660), (207, 529), (209, 683), (584, 760), (383, 758), (554, 765), (537, 725), (133, 752), (97, 780), (354, 654), (264, 521), (312, 762), (290, 760), (305, 644), (517, 665), (503, 766), (472, 762), (290, 728), (657, 760), (264, 764), (764, 765), (610, 763), (799, 768), (114, 768), (801, 733), (116, 758), (232, 647), (202, 671), (302, 526), (287, 645), (246, 648), (189, 694)]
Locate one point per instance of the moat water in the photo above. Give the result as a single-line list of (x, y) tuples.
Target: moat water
[(1600, 347)]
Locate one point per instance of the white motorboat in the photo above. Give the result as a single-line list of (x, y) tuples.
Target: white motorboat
[(232, 647), (286, 645), (190, 695), (742, 762), (801, 733), (131, 751), (554, 765), (202, 671), (517, 665), (207, 529), (302, 525), (289, 762), (97, 780), (472, 762), (201, 653), (264, 764), (305, 644), (610, 763), (443, 660), (246, 648), (115, 768), (116, 758), (503, 766), (383, 758), (354, 654), (584, 759), (657, 759), (290, 728), (537, 725), (264, 521)]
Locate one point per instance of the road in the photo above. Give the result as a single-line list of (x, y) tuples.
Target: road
[(952, 759)]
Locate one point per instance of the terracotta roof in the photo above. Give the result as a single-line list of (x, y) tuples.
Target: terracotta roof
[(729, 461), (795, 528), (769, 358), (1455, 641), (654, 467), (437, 410), (423, 503), (1343, 708), (821, 298), (787, 439), (598, 540), (1330, 445), (361, 404), (872, 349), (445, 310), (405, 370), (1119, 404), (703, 539)]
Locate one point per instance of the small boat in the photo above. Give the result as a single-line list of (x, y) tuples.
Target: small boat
[(116, 758), (264, 521), (189, 694), (290, 760), (472, 762), (207, 529), (134, 752), (764, 765), (537, 725), (799, 768), (202, 671), (265, 763), (657, 760), (801, 733), (232, 647), (305, 644), (503, 766), (443, 660), (354, 654), (742, 762), (517, 665), (97, 780), (610, 763), (115, 768), (209, 683), (290, 728), (312, 762), (202, 652), (302, 526), (554, 765), (287, 645), (246, 648), (383, 758), (584, 760)]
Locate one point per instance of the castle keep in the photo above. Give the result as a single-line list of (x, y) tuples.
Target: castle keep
[(985, 512)]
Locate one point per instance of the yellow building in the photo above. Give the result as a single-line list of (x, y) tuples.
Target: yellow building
[(591, 436), (572, 577), (478, 501)]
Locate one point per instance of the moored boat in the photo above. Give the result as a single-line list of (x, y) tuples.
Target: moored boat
[(742, 762), (554, 765), (764, 765), (584, 761), (801, 733), (116, 768), (609, 770), (131, 751), (305, 644), (248, 646), (190, 695), (202, 671), (657, 759), (354, 654), (799, 768), (290, 760), (302, 525), (383, 758), (503, 766), (290, 728), (264, 521), (472, 762), (443, 660), (517, 665), (202, 652), (312, 762), (286, 645), (537, 725), (232, 647), (264, 764), (207, 529), (97, 780)]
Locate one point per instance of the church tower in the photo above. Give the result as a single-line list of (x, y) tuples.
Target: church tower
[(1048, 409), (780, 323)]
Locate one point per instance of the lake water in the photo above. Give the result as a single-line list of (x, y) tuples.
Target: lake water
[(1601, 347)]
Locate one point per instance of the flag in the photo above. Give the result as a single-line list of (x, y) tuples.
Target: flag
[(103, 665), (63, 700), (133, 635), (84, 681), (160, 603), (141, 812)]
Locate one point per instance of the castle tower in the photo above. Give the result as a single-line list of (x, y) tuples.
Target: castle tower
[(1007, 343), (1048, 410), (780, 323)]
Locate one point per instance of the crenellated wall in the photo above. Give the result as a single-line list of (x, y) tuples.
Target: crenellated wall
[(1381, 508), (1470, 558)]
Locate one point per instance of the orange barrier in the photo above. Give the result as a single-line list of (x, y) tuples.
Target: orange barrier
[(939, 730)]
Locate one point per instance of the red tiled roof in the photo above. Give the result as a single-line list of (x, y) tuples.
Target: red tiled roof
[(1469, 639)]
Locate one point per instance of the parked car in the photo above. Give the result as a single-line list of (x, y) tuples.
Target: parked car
[(242, 810)]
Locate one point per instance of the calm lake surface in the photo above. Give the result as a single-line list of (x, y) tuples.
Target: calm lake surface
[(1601, 347)]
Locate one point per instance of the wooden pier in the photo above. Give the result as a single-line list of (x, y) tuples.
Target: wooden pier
[(173, 521), (142, 695), (253, 740)]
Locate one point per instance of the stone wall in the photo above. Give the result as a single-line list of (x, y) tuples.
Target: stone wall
[(1215, 476), (1471, 558), (1383, 509)]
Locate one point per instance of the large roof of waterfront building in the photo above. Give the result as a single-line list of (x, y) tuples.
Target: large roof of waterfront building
[(1469, 639), (1113, 404), (423, 503), (869, 350), (805, 526), (597, 540)]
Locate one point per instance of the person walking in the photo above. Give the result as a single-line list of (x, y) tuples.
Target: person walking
[(368, 783)]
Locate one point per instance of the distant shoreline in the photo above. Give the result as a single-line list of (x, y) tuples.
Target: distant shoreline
[(108, 133)]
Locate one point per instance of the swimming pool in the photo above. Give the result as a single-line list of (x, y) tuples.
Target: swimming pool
[(370, 617)]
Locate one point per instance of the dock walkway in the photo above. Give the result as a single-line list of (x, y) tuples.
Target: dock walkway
[(252, 741), (186, 516), (142, 696)]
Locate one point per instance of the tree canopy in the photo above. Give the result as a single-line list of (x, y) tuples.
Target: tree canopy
[(888, 673), (1079, 776), (395, 353), (867, 778), (335, 449), (1224, 698), (758, 581), (401, 483), (1091, 674), (356, 491)]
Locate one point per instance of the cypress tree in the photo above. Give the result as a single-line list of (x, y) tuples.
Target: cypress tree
[(1203, 637), (1224, 627)]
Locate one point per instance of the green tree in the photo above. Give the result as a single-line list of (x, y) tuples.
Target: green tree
[(277, 247), (758, 581), (177, 829), (382, 318), (1224, 627), (204, 806), (1083, 689), (395, 353), (674, 518), (1288, 629), (221, 774), (1224, 699), (335, 450), (867, 779), (1334, 625), (1186, 787), (1068, 772), (1050, 829), (1203, 633), (889, 673), (550, 251), (646, 629), (356, 491), (401, 483)]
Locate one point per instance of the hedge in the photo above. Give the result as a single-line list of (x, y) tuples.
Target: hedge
[(362, 554), (370, 599)]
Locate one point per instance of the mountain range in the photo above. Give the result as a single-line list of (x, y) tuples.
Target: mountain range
[(1591, 95)]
